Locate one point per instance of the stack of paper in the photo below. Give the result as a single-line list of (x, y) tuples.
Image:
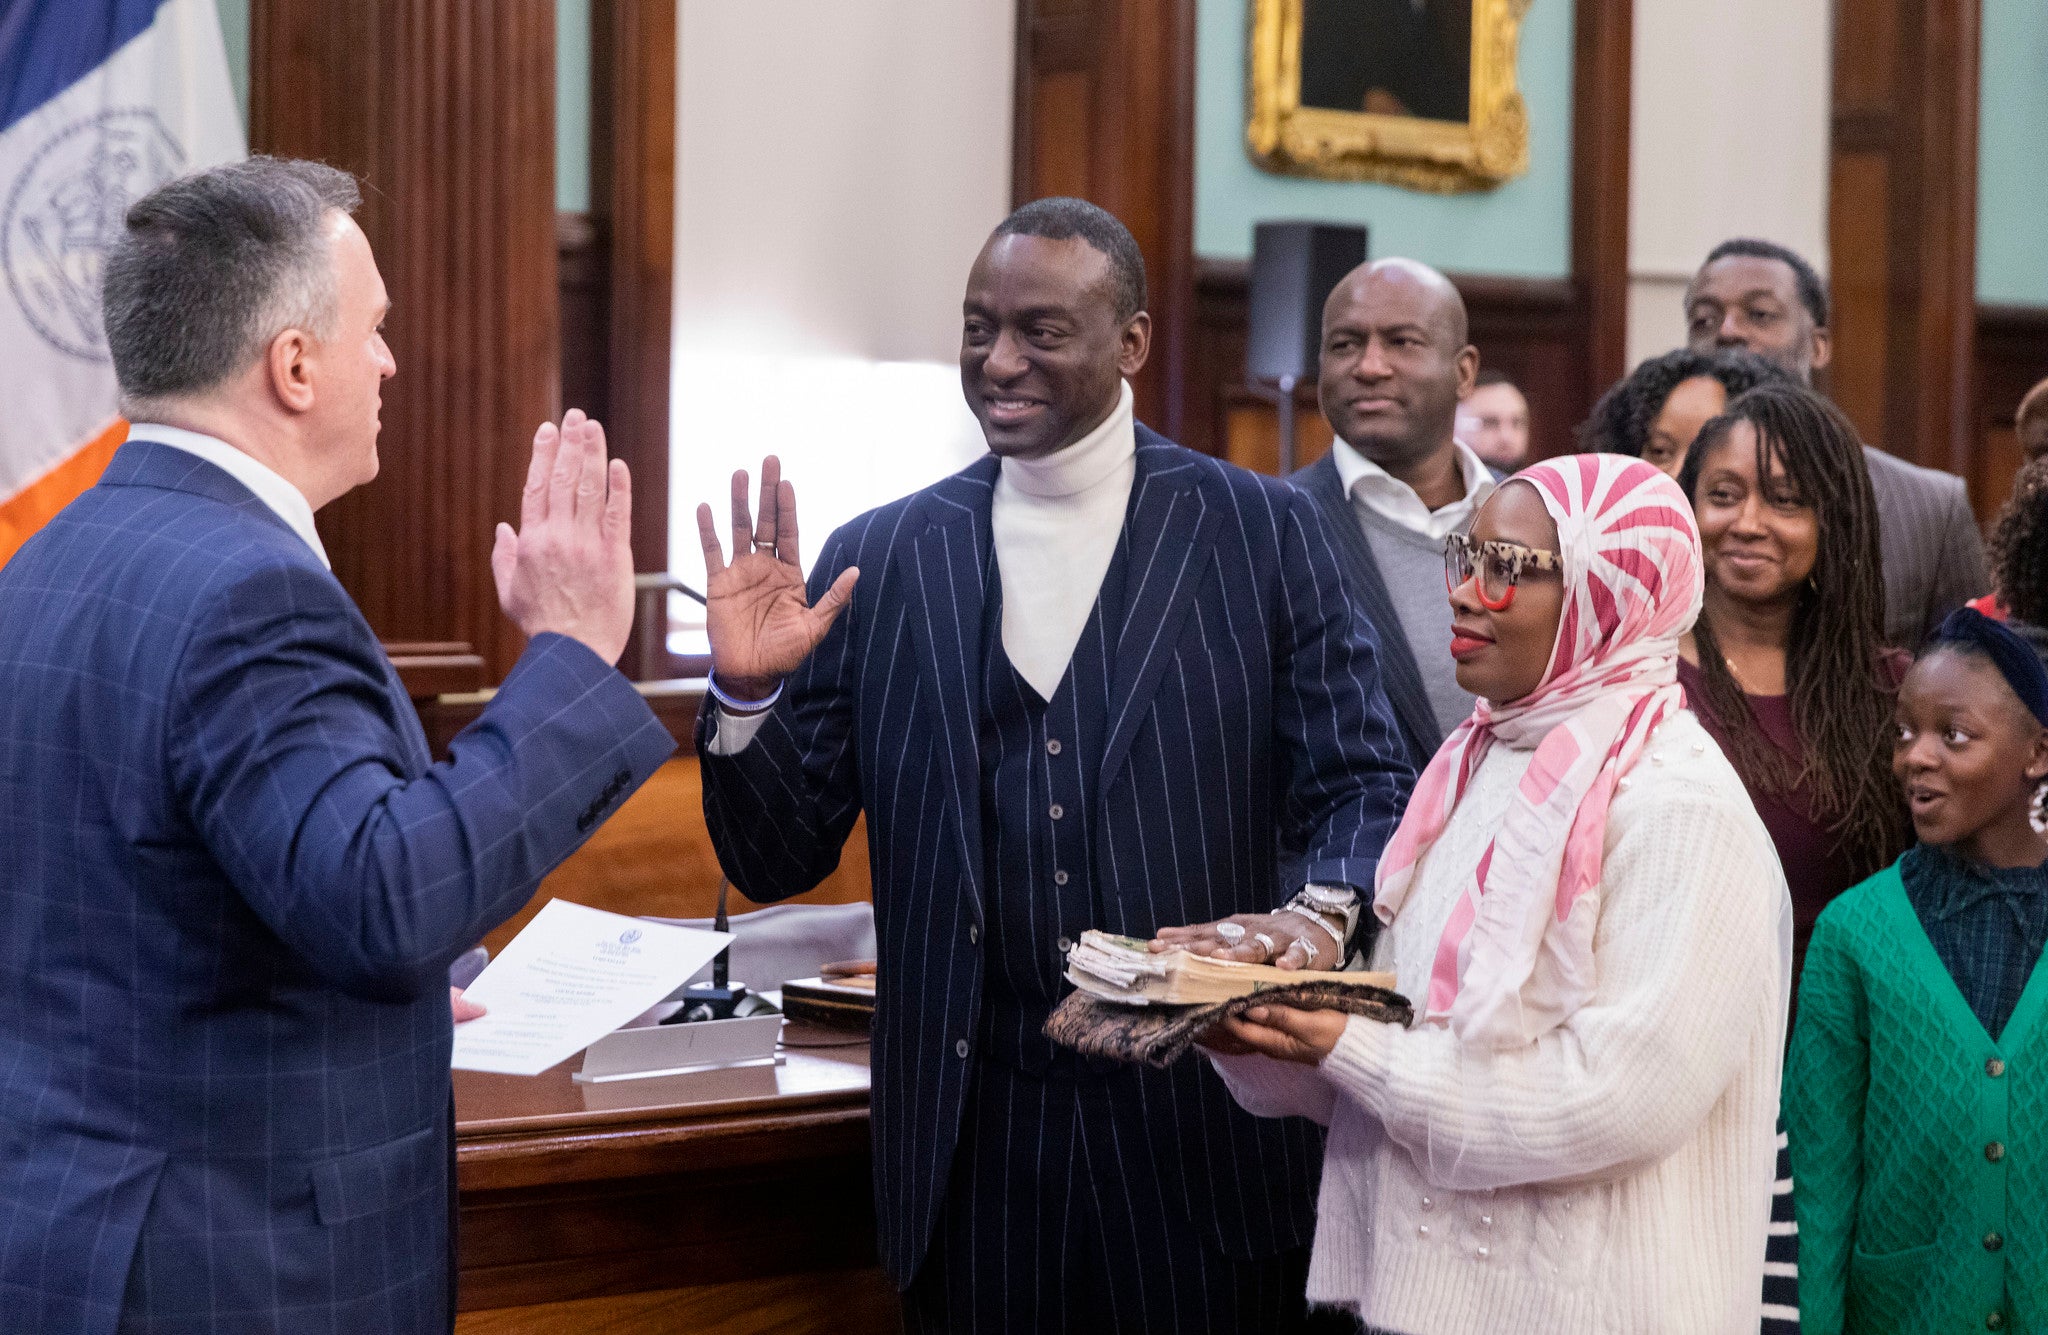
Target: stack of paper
[(1124, 969), (570, 977)]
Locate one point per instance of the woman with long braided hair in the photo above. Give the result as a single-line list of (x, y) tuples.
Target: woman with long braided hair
[(1787, 669), (1787, 666)]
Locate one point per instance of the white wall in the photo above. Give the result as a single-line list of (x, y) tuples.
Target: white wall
[(1728, 137), (838, 167)]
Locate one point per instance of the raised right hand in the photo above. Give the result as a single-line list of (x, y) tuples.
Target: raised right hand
[(569, 566), (760, 625)]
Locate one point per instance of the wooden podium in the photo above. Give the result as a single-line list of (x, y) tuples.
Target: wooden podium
[(717, 1202)]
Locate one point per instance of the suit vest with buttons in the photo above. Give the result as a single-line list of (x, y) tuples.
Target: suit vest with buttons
[(1040, 762)]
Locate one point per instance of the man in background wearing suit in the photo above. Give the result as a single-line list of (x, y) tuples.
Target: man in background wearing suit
[(1395, 364), (1763, 297), (231, 879), (1095, 680)]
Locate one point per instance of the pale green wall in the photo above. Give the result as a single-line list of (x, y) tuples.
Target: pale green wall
[(2012, 155), (234, 26), (1523, 228), (572, 91), (572, 105)]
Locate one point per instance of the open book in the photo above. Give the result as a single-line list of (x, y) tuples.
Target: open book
[(1120, 969)]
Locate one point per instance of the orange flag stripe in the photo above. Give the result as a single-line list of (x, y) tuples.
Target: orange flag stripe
[(32, 507)]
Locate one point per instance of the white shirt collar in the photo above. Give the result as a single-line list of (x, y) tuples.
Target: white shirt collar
[(284, 500), (1085, 463), (1367, 484)]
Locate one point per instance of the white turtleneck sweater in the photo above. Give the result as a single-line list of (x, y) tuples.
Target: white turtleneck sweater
[(1612, 1177), (1055, 522)]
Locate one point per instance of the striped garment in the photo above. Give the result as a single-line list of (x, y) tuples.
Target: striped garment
[(232, 879), (1781, 1250), (1244, 711), (1586, 1182), (1516, 956)]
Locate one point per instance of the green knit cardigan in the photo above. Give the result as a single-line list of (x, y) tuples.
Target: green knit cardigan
[(1919, 1145)]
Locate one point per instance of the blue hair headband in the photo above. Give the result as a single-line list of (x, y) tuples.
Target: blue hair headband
[(2014, 658)]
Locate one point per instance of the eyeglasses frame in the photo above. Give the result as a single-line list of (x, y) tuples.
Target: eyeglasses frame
[(1517, 556)]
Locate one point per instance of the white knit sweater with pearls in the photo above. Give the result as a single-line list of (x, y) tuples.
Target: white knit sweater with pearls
[(1615, 1174)]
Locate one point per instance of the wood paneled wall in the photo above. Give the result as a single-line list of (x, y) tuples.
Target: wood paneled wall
[(1602, 58), (653, 855), (444, 109), (1106, 111), (2012, 354), (1563, 341), (586, 313), (1535, 331), (1902, 225), (633, 193)]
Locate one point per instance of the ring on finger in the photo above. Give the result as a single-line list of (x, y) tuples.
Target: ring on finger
[(1309, 953), (1272, 948), (1230, 931)]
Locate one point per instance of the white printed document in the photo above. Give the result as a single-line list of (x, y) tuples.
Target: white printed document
[(573, 975)]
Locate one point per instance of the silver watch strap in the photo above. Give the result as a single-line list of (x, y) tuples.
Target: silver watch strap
[(1333, 902)]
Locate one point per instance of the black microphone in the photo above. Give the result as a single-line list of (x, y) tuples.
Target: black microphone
[(721, 964), (720, 999)]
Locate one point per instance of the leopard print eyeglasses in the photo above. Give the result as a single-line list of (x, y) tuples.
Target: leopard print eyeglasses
[(1500, 567)]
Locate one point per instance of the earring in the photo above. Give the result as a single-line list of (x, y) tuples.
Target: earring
[(2037, 814)]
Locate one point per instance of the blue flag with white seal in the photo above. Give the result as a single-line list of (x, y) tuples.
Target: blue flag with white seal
[(101, 101)]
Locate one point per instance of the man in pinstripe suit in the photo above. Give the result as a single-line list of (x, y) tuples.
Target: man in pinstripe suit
[(1760, 296), (1094, 680), (231, 877)]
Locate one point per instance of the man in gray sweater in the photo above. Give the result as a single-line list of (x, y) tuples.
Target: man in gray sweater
[(1395, 363)]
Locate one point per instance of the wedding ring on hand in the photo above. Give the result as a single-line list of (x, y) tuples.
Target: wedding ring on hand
[(1272, 949), (1230, 931)]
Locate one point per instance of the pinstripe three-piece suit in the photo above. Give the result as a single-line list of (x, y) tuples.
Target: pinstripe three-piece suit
[(231, 884), (1222, 709)]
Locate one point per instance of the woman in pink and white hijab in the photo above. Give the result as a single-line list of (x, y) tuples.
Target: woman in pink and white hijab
[(1577, 1133)]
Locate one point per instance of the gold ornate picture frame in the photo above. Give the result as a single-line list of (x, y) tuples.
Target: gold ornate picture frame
[(1489, 146)]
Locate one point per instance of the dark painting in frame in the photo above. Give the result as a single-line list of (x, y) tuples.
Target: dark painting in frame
[(1418, 93)]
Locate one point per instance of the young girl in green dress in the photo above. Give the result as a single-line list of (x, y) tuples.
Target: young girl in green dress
[(1917, 1090)]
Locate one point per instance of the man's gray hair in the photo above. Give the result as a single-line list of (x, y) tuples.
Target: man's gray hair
[(215, 265)]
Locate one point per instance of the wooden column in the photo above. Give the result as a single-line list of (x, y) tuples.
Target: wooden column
[(445, 110), (633, 186), (1601, 83), (1902, 224), (1106, 111), (1563, 340)]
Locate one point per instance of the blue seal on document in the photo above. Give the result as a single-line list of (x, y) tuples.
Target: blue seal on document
[(629, 936), (66, 210)]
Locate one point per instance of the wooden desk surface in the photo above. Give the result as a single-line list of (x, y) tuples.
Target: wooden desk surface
[(582, 1203), (821, 1067), (520, 1131)]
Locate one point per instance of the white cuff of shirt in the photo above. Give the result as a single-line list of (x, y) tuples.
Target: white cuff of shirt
[(730, 732)]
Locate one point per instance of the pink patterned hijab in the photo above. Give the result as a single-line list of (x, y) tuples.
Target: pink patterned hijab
[(1516, 957)]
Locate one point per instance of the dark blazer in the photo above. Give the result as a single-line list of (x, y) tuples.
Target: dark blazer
[(1933, 554), (1399, 672), (231, 884), (1246, 706)]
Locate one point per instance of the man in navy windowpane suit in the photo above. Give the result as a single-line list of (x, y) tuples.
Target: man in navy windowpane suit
[(1094, 680), (231, 878)]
